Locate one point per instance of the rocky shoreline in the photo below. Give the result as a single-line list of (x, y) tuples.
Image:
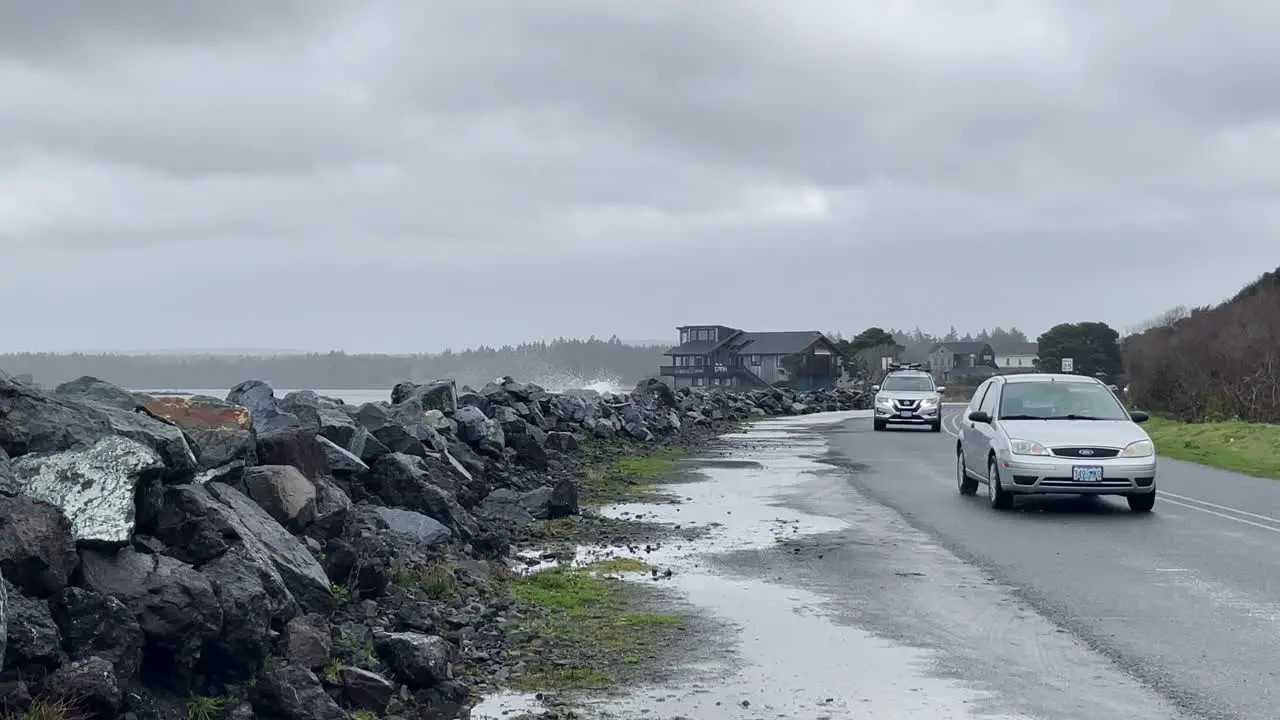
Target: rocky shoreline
[(298, 557)]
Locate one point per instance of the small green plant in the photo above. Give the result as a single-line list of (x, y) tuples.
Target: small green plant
[(436, 579), (270, 664), (331, 671), (341, 593), (363, 652), (204, 707), (364, 715)]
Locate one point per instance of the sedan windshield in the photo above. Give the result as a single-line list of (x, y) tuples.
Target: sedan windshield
[(1051, 400), (908, 383)]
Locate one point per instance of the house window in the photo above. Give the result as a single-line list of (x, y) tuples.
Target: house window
[(755, 361), (699, 381), (683, 361), (699, 360), (684, 336)]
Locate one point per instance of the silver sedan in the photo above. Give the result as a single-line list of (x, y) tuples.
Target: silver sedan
[(1050, 433)]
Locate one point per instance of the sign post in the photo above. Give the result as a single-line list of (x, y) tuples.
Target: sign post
[(1068, 365)]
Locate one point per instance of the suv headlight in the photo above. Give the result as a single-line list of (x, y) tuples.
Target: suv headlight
[(930, 401), (1139, 449), (1026, 447), (883, 401)]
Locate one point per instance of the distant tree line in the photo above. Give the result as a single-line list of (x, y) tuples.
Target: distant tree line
[(588, 359), (1211, 362)]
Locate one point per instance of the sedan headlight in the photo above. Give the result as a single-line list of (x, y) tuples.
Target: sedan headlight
[(1026, 447), (1139, 449)]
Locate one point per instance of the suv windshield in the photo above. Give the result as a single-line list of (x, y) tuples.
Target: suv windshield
[(909, 383), (1060, 400)]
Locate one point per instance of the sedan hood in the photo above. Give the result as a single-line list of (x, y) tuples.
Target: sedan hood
[(1070, 433)]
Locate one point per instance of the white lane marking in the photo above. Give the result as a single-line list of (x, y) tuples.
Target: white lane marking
[(1225, 508), (1272, 528)]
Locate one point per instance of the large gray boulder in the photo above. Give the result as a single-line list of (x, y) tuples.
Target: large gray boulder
[(32, 421), (260, 399), (129, 418), (439, 395), (95, 487)]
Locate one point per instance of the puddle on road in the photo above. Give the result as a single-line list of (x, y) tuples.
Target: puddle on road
[(791, 660)]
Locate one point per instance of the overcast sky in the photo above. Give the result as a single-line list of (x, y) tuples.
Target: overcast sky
[(396, 176)]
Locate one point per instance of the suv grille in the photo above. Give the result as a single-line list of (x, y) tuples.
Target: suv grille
[(1085, 452), (907, 404)]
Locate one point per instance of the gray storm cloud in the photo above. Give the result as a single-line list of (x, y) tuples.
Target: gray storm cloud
[(323, 174)]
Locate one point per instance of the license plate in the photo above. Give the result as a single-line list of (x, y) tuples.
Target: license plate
[(905, 413), (1086, 473)]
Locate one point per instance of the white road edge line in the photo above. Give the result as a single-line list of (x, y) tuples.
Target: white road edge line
[(1224, 515)]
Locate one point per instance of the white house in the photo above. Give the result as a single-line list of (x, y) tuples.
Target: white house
[(1017, 357)]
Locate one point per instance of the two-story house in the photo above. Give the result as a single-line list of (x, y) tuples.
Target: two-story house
[(962, 362), (718, 355), (1017, 357)]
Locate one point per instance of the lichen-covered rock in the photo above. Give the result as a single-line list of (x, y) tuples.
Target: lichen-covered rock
[(419, 661), (96, 625), (439, 395), (34, 645), (95, 487)]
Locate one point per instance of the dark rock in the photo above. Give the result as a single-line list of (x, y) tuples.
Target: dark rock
[(260, 399), (37, 553), (93, 681), (332, 507), (439, 395), (414, 525), (327, 417), (307, 641), (365, 690), (302, 575), (564, 500), (283, 492), (31, 421), (33, 645), (96, 625), (463, 455), (7, 483), (341, 461), (297, 447), (656, 393), (403, 481), (176, 606), (129, 418), (504, 505), (94, 487), (250, 596), (294, 693), (419, 661), (564, 442), (388, 431), (483, 433), (223, 431)]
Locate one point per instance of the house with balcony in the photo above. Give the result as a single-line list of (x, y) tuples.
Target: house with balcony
[(722, 356), (964, 363)]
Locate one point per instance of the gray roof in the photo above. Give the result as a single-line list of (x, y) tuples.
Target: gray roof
[(1017, 348), (962, 348), (694, 347), (778, 343)]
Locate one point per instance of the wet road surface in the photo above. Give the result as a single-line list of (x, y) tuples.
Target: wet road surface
[(1186, 599), (815, 601)]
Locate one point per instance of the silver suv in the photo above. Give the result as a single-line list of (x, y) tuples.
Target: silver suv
[(907, 396)]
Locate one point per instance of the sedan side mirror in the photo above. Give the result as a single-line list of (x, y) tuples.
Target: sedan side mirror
[(875, 388), (979, 416), (940, 388), (1139, 416)]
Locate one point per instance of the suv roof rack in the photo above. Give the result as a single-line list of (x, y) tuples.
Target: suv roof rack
[(905, 366)]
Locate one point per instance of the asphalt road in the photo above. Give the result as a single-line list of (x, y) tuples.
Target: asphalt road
[(1185, 600)]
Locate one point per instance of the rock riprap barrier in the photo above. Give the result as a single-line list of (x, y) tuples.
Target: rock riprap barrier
[(294, 557)]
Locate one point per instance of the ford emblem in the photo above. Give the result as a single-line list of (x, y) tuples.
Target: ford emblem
[(1086, 451)]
